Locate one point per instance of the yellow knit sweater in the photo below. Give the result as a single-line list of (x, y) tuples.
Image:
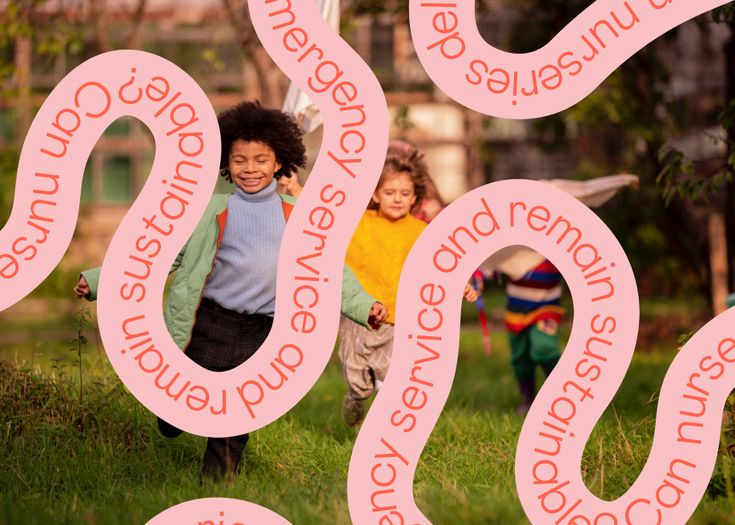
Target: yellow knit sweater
[(377, 252)]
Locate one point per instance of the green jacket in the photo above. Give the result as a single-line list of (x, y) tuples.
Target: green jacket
[(195, 261)]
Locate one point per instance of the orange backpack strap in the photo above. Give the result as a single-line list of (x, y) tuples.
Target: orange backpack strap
[(287, 209), (221, 222)]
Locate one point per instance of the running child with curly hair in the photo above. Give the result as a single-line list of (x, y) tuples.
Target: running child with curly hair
[(376, 254), (221, 303)]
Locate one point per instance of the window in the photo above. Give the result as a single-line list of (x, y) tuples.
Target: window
[(6, 125), (381, 51), (117, 179), (119, 127), (87, 191)]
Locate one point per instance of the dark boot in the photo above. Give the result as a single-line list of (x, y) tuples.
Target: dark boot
[(527, 389), (353, 410), (222, 457), (548, 366), (167, 429)]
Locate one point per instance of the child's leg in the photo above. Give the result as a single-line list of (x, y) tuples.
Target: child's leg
[(222, 340), (544, 343), (379, 345), (364, 360), (222, 456), (524, 368), (355, 371), (353, 359)]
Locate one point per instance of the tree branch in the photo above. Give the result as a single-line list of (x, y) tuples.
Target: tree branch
[(136, 19), (99, 36)]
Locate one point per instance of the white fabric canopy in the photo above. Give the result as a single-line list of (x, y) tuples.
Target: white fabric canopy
[(516, 261), (297, 102), (596, 192)]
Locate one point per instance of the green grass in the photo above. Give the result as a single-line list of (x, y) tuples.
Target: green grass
[(103, 462)]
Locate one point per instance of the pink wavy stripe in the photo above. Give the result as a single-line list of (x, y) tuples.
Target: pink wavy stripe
[(310, 264), (58, 143), (601, 345), (219, 511), (319, 229), (685, 441), (550, 79)]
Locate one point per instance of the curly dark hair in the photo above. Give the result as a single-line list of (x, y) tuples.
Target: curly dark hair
[(410, 161), (250, 121)]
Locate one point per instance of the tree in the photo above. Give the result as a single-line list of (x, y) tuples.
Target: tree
[(20, 20), (686, 180), (271, 81), (626, 125), (97, 10)]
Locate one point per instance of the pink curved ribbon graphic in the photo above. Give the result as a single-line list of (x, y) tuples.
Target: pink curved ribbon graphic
[(550, 79), (685, 441), (319, 229), (220, 511), (61, 137), (310, 262), (594, 362)]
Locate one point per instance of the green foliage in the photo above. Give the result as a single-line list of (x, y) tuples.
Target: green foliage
[(623, 127), (397, 8), (53, 36), (721, 484), (726, 117), (209, 55), (8, 170), (17, 20), (678, 177), (376, 7), (58, 283), (20, 20), (684, 339), (402, 120), (79, 344), (724, 14)]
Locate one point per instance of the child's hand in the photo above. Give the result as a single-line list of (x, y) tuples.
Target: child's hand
[(470, 294), (82, 287), (289, 185), (477, 281), (378, 315)]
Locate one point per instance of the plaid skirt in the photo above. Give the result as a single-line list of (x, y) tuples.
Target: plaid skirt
[(223, 339)]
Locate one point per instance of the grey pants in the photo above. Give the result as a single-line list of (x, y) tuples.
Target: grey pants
[(365, 356)]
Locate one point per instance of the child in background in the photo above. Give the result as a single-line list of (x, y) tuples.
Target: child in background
[(221, 303), (532, 318), (376, 254), (432, 203)]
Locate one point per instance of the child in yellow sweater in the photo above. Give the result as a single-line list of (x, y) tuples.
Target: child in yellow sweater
[(376, 254)]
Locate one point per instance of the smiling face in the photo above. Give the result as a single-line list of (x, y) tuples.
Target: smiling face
[(395, 196), (252, 165)]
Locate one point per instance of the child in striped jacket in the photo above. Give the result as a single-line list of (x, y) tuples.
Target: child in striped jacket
[(532, 318)]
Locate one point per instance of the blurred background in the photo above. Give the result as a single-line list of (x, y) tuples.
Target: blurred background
[(667, 115)]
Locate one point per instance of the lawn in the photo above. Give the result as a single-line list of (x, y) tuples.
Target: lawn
[(101, 460)]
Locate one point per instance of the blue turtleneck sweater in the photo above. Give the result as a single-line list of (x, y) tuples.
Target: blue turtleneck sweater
[(244, 274)]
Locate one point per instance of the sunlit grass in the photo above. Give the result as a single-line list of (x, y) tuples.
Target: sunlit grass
[(102, 460)]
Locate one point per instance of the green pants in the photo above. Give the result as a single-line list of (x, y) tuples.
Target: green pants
[(536, 345)]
